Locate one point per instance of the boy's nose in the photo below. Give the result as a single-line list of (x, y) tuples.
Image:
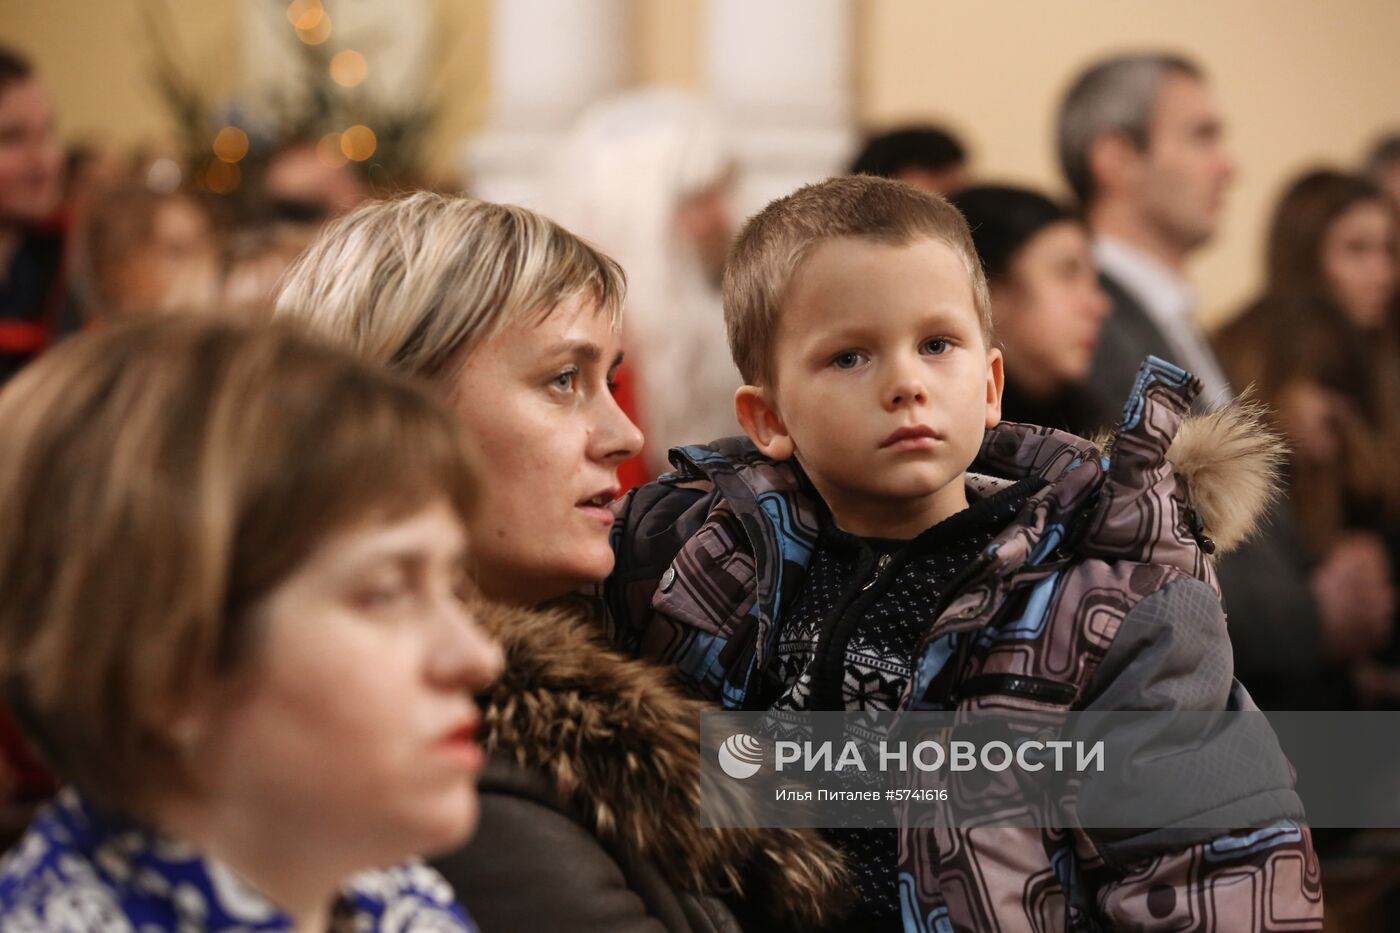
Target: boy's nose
[(906, 390)]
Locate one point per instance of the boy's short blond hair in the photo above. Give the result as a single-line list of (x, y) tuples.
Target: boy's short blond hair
[(160, 477), (774, 243), (415, 283)]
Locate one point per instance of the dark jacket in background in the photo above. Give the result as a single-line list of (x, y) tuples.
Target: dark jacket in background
[(1273, 618), (34, 306)]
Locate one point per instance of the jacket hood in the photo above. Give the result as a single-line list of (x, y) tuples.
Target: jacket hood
[(621, 747), (1230, 462)]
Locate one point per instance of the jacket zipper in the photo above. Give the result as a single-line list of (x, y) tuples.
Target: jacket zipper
[(880, 565), (1038, 689), (826, 681)]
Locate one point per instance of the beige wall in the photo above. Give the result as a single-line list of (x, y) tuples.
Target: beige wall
[(463, 84), (94, 59), (1299, 81), (666, 37)]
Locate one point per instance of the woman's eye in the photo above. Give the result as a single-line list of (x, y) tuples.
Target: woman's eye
[(379, 597), (935, 346), (848, 360)]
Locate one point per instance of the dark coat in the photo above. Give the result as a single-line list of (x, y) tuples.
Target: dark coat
[(590, 805), (1274, 623)]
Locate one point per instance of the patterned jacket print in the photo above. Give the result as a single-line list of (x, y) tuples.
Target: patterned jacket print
[(79, 870), (1099, 595)]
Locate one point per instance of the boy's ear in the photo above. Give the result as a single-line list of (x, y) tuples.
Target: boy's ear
[(996, 380), (762, 423)]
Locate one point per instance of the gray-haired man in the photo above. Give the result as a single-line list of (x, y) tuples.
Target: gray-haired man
[(1141, 143)]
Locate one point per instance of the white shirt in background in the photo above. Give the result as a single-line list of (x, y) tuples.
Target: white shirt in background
[(1169, 301)]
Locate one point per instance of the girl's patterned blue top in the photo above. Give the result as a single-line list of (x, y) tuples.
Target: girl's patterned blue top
[(81, 870)]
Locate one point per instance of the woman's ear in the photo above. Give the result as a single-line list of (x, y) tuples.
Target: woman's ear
[(761, 422)]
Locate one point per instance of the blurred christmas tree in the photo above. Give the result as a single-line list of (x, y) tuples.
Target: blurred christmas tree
[(324, 102)]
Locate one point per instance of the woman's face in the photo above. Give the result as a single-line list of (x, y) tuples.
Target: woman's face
[(1049, 314), (352, 730), (151, 273), (1359, 262), (30, 161), (537, 400)]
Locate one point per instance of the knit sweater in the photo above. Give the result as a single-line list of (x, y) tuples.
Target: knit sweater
[(865, 606)]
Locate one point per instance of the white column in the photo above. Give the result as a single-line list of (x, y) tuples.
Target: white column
[(549, 59), (780, 73)]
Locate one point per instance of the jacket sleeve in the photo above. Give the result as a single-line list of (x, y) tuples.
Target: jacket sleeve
[(1172, 654), (532, 867), (650, 526)]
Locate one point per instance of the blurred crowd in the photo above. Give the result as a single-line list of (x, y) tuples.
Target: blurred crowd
[(1082, 289)]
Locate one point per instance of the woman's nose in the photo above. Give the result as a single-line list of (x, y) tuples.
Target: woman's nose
[(464, 656), (614, 438)]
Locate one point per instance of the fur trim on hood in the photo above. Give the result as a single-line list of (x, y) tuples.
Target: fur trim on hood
[(1230, 461), (622, 745)]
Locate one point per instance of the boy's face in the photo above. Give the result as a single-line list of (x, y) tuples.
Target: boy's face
[(883, 383)]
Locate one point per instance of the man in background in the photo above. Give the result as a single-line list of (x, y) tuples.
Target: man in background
[(1141, 143)]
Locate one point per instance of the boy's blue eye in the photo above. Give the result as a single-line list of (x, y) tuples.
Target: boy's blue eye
[(565, 381), (935, 346), (848, 360)]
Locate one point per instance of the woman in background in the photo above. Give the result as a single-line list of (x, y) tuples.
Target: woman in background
[(1321, 346), (143, 250), (233, 619), (1047, 306)]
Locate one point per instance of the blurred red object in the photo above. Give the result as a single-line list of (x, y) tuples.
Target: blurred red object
[(23, 777), (633, 473)]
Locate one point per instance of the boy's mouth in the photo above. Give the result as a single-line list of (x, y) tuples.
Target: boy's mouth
[(914, 437)]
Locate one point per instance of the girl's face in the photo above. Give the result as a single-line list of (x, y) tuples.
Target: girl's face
[(537, 399), (1049, 314), (1359, 262), (351, 728)]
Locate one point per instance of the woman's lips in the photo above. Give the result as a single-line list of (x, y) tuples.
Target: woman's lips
[(460, 744), (599, 514), (596, 505)]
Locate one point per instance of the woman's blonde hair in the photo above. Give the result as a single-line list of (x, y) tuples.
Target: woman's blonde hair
[(415, 282), (159, 478)]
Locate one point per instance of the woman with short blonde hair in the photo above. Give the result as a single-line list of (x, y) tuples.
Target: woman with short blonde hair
[(412, 283), (516, 321), (232, 618)]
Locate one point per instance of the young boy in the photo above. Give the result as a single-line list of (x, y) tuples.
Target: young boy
[(879, 541)]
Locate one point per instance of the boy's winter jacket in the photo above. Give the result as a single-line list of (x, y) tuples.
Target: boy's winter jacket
[(1100, 595)]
